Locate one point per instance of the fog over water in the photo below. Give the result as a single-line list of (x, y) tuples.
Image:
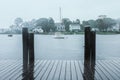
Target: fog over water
[(70, 48)]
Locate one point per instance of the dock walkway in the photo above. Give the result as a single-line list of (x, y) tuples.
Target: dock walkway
[(61, 70)]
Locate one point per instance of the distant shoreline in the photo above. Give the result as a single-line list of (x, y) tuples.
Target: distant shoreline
[(68, 33)]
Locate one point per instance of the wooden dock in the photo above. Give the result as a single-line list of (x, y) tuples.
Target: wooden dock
[(61, 70), (30, 69)]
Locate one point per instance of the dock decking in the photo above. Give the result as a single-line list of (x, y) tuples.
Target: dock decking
[(61, 70)]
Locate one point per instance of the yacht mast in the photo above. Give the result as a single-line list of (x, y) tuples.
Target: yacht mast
[(60, 15)]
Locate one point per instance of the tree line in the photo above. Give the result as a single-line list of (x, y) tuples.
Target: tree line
[(102, 24), (48, 24)]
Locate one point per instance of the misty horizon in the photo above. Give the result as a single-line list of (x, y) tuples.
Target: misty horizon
[(74, 9)]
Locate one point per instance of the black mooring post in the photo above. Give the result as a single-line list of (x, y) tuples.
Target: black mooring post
[(87, 53), (93, 47), (87, 45), (25, 48), (31, 48), (90, 54), (31, 56), (93, 54)]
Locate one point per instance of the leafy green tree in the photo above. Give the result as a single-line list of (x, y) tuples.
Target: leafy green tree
[(100, 24), (46, 24), (82, 27), (66, 22), (85, 23), (29, 24), (51, 24), (105, 23), (92, 23), (43, 23), (18, 21), (109, 22), (16, 27), (118, 21)]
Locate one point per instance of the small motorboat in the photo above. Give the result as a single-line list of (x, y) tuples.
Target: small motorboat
[(59, 37), (10, 35)]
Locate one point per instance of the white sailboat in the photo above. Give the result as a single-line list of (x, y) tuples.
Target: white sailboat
[(59, 35)]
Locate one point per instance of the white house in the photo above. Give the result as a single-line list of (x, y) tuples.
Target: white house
[(116, 27), (95, 29), (75, 27), (37, 30), (60, 27)]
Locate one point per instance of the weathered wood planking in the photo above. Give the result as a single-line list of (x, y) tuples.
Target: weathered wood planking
[(61, 70)]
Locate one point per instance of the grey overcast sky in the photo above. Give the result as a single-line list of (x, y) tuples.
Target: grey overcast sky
[(73, 9)]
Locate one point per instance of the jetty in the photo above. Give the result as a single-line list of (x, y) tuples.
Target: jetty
[(29, 68)]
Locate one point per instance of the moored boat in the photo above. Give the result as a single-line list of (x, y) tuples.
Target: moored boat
[(58, 35), (10, 35)]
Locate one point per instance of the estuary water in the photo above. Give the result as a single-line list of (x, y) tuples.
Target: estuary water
[(70, 48)]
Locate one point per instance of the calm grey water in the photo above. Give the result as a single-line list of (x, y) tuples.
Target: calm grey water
[(72, 47)]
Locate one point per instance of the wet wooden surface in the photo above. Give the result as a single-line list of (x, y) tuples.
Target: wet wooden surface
[(61, 70)]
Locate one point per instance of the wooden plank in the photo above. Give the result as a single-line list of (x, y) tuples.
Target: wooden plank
[(116, 66), (47, 73), (101, 72), (73, 71), (37, 64), (68, 71), (110, 69), (12, 72), (43, 71), (97, 75), (4, 68), (53, 71), (19, 75), (81, 66), (39, 69), (16, 74), (63, 71), (109, 76), (4, 63), (20, 78), (58, 71), (78, 70), (8, 69), (116, 63)]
